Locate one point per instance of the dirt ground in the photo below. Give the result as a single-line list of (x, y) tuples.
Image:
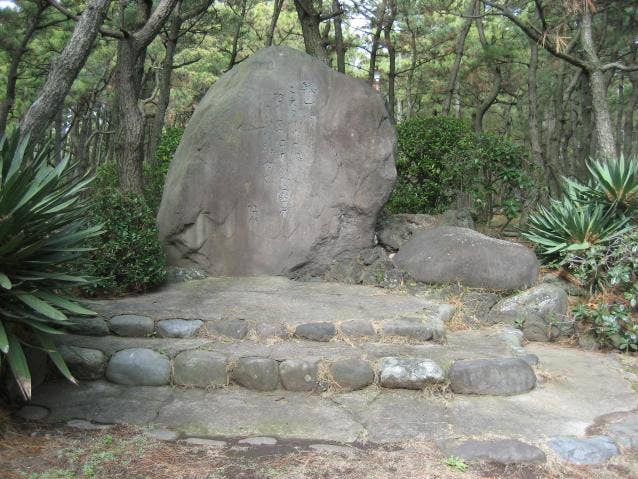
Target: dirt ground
[(42, 451)]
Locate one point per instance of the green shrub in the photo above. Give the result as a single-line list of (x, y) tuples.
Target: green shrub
[(41, 238), (434, 156), (128, 256), (155, 171), (441, 158), (614, 324), (613, 265)]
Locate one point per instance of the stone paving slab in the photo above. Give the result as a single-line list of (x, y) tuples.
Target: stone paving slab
[(565, 404), (268, 299)]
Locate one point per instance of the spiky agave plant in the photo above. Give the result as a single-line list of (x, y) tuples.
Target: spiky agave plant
[(567, 225), (616, 182), (41, 234)]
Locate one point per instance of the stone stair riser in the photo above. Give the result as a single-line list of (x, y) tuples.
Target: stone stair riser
[(208, 369)]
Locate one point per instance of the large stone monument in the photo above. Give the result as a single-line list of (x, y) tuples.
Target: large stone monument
[(284, 165)]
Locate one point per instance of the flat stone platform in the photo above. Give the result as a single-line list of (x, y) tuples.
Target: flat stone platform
[(415, 381), (265, 299), (575, 389)]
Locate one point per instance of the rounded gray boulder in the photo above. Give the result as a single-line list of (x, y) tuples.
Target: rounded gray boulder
[(450, 254), (139, 367)]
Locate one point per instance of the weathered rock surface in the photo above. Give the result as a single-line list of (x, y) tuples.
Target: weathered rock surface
[(258, 441), (541, 311), (139, 367), (178, 328), (32, 413), (502, 451), (232, 328), (321, 331), (298, 375), (559, 408), (409, 373), (394, 231), (261, 374), (84, 363), (410, 328), (88, 326), (352, 374), (451, 254), (131, 325), (284, 165), (357, 328), (497, 377), (593, 450), (200, 368), (461, 218)]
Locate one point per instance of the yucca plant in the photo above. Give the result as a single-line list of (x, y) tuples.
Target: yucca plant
[(41, 234), (566, 225), (616, 182), (588, 214)]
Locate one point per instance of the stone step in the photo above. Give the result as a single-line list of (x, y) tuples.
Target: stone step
[(472, 362), (260, 308), (428, 326)]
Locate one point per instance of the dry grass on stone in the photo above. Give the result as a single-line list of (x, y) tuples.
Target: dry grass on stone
[(121, 452)]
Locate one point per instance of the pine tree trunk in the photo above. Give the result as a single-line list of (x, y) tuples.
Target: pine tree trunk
[(310, 20), (63, 71), (340, 48), (458, 55)]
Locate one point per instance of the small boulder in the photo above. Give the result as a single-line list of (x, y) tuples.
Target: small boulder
[(139, 367), (501, 451), (496, 377), (352, 374), (32, 413), (298, 375), (592, 450), (409, 373), (272, 330), (231, 328), (451, 254), (84, 363), (258, 441), (461, 218), (357, 328), (132, 325), (320, 331), (87, 326), (410, 328), (394, 231), (178, 328), (541, 312), (261, 374), (200, 368)]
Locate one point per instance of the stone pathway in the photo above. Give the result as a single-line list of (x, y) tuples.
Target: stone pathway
[(478, 394)]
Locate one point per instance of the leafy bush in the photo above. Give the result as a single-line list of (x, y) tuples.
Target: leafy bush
[(613, 265), (441, 157), (128, 256), (155, 171), (614, 324), (41, 237)]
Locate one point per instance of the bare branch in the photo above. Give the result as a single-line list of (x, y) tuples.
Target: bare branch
[(532, 33), (186, 63), (620, 66), (72, 16)]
